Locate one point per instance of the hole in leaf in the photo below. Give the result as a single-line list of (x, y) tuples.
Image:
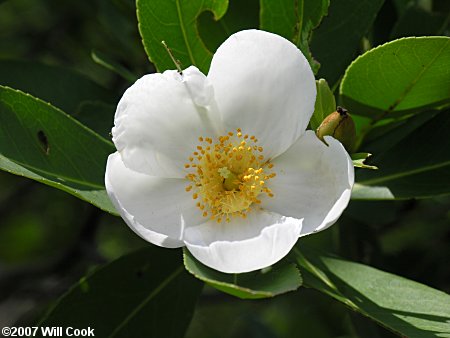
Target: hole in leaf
[(43, 141)]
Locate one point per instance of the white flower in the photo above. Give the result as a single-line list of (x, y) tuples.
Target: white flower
[(222, 163)]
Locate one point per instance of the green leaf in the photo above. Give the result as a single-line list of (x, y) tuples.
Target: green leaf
[(414, 165), (399, 77), (294, 20), (144, 294), (325, 104), (109, 63), (359, 160), (61, 87), (41, 142), (175, 22), (336, 41), (406, 307), (270, 282)]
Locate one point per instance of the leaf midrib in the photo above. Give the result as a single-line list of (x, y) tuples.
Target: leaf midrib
[(408, 89), (56, 176), (155, 292), (404, 174), (183, 31)]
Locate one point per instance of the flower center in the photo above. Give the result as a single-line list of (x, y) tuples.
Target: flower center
[(228, 175)]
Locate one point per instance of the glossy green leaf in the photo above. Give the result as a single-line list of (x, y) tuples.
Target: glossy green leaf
[(416, 164), (43, 143), (336, 41), (175, 22), (61, 87), (278, 279), (294, 20), (144, 294), (402, 76), (325, 104), (359, 160), (406, 307)]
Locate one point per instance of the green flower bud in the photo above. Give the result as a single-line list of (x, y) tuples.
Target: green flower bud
[(340, 125)]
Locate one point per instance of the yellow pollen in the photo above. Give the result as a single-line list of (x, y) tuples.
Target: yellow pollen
[(229, 176)]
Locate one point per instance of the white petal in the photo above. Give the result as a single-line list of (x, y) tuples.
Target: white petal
[(313, 182), (159, 119), (264, 85), (243, 245), (157, 209)]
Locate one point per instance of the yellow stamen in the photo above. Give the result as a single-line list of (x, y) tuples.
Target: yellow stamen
[(228, 177)]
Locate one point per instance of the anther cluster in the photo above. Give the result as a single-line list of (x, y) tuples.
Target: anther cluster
[(228, 175)]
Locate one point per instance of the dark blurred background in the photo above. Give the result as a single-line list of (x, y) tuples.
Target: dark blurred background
[(49, 239)]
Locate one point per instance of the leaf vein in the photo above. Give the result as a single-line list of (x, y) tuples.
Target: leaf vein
[(138, 308)]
